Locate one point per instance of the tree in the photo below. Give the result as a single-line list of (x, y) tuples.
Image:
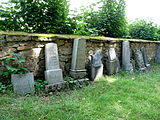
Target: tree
[(142, 29), (45, 16)]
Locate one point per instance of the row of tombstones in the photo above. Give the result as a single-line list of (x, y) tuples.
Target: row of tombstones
[(53, 73)]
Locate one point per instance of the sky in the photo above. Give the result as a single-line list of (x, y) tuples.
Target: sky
[(135, 9), (141, 9)]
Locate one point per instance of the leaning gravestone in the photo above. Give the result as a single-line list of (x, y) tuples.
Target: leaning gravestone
[(157, 59), (23, 83), (78, 59), (145, 58), (112, 63), (96, 69), (139, 60), (126, 62), (53, 73)]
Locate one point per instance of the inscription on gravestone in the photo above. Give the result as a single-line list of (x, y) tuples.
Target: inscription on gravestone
[(139, 60), (112, 63), (53, 73), (23, 83), (78, 59), (126, 58), (145, 58), (96, 69)]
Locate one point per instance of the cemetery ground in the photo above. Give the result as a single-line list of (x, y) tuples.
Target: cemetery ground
[(124, 96)]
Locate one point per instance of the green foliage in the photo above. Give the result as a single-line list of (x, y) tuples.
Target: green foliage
[(40, 85), (14, 64), (142, 29), (42, 16), (5, 88), (108, 20)]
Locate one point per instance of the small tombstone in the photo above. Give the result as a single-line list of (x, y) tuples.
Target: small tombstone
[(157, 58), (53, 73), (96, 69), (126, 57), (145, 58), (112, 63), (23, 83), (78, 59), (139, 60)]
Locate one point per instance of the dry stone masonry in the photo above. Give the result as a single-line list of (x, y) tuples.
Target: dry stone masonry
[(32, 48)]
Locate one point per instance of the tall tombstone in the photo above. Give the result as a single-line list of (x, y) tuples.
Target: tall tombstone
[(96, 70), (112, 63), (126, 57), (139, 60), (145, 58), (53, 73), (78, 59), (157, 58)]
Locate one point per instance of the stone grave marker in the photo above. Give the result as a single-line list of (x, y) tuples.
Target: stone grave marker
[(53, 73), (157, 58), (145, 58), (96, 69), (126, 58), (23, 83), (112, 63), (139, 60), (78, 59)]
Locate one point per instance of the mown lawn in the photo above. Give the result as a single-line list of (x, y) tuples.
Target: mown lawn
[(122, 97)]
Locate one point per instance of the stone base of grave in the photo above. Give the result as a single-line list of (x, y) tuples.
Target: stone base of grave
[(54, 76), (77, 74), (96, 72), (23, 83), (148, 67), (66, 86), (112, 67)]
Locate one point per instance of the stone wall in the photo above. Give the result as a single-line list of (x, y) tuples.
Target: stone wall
[(31, 47)]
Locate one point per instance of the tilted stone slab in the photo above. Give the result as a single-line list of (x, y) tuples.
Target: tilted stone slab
[(23, 83)]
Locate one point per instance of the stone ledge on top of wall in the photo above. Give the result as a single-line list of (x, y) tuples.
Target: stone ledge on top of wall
[(23, 36)]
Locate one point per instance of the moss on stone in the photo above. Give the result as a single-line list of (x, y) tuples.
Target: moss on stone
[(63, 36)]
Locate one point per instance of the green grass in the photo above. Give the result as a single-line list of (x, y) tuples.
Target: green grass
[(122, 97)]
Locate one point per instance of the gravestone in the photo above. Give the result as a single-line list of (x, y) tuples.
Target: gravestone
[(78, 59), (126, 58), (145, 58), (96, 69), (139, 60), (112, 63), (157, 58), (23, 83), (53, 73)]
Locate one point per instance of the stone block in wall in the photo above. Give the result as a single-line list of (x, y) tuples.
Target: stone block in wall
[(41, 38), (2, 37), (18, 38), (24, 48)]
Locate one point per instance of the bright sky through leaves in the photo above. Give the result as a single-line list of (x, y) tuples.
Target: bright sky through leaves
[(147, 9), (135, 8)]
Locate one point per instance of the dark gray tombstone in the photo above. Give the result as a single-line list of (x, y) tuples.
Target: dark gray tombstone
[(78, 59), (23, 83), (126, 57), (145, 58), (112, 63), (53, 73), (139, 60), (96, 70), (157, 58)]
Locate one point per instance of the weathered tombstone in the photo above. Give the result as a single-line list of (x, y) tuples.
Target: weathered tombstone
[(112, 63), (157, 58), (53, 73), (23, 83), (96, 69), (139, 60), (78, 59), (126, 62), (145, 58)]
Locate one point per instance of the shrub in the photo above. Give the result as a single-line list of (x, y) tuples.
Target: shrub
[(142, 29)]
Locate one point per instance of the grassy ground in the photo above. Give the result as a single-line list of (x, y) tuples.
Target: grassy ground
[(122, 97)]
